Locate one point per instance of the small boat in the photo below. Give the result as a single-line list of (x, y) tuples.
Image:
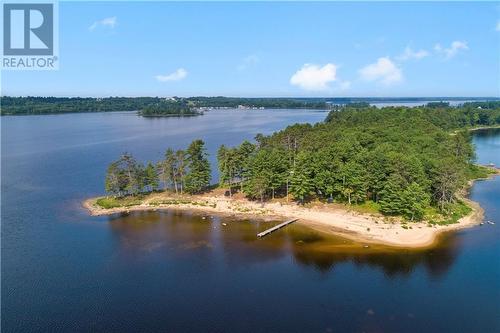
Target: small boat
[(224, 224), (490, 222)]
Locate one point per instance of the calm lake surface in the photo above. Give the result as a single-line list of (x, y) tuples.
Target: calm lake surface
[(63, 270)]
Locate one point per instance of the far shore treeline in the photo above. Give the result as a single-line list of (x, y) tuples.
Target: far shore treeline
[(181, 106), (401, 161), (147, 106)]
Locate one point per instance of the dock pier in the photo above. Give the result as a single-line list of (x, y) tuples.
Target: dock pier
[(276, 227)]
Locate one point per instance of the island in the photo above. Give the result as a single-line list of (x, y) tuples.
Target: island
[(396, 175)]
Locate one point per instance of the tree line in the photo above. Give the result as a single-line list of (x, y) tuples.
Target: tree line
[(147, 106), (404, 160), (180, 171)]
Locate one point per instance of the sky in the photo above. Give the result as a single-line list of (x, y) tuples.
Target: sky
[(256, 49)]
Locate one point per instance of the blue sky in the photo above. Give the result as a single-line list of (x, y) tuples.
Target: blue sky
[(271, 49)]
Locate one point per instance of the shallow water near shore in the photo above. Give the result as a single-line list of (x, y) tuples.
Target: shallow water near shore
[(63, 270)]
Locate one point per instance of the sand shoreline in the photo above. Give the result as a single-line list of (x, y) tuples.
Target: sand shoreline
[(366, 228)]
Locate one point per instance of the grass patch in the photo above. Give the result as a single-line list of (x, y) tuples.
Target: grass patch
[(114, 202), (367, 207), (454, 213), (475, 171)]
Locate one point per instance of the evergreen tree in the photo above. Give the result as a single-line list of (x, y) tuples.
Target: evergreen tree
[(301, 183), (391, 201), (244, 153), (354, 185), (259, 175), (198, 176), (151, 177), (125, 176), (414, 202), (166, 170), (114, 184), (180, 174)]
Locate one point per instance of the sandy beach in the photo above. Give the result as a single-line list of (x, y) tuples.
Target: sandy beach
[(334, 219)]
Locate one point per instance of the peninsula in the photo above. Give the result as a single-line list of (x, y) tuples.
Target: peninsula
[(395, 175)]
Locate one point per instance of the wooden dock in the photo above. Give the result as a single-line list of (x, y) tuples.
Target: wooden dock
[(276, 227)]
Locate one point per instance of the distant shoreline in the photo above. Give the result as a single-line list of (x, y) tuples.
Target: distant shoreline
[(337, 220)]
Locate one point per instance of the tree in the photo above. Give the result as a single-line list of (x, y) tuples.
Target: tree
[(228, 160), (391, 196), (125, 176), (180, 156), (258, 175), (414, 202), (277, 165), (244, 153), (167, 170), (301, 184), (114, 183), (326, 170), (151, 177), (198, 176), (448, 178), (353, 186)]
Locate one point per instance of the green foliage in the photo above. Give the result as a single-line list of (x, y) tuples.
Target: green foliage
[(151, 177), (179, 107), (455, 212), (114, 202), (391, 202), (45, 105), (414, 202), (127, 176), (401, 159), (478, 172), (198, 177), (302, 184), (148, 106), (179, 170)]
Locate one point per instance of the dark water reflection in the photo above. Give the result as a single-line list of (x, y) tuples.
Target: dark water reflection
[(179, 234)]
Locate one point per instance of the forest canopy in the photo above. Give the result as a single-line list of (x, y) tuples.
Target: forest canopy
[(405, 161)]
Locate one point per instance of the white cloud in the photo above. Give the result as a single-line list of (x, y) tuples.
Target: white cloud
[(384, 70), (109, 22), (248, 61), (408, 54), (314, 77), (451, 51), (498, 26), (179, 74)]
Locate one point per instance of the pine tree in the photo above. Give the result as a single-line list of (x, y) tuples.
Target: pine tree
[(114, 180), (391, 201), (180, 156), (414, 202), (301, 183), (198, 177), (151, 177)]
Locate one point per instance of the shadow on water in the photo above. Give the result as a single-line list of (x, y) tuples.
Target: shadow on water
[(183, 234)]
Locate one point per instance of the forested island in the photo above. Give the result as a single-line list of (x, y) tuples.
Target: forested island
[(147, 106), (411, 164)]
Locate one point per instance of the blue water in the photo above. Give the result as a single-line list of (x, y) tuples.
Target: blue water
[(63, 270)]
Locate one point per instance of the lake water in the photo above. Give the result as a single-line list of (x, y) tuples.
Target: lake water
[(63, 270)]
